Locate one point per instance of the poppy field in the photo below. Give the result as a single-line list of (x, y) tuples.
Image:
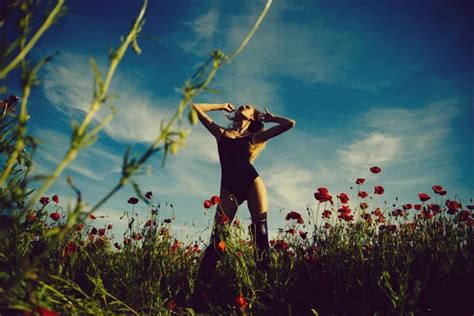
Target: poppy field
[(346, 253), (343, 255)]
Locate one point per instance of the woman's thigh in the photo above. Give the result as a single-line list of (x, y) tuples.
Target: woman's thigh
[(228, 205), (257, 200)]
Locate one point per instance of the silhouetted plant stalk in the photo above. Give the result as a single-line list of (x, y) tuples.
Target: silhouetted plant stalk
[(28, 76), (27, 48), (80, 137)]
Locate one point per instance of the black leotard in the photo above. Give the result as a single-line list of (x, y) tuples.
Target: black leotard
[(237, 171)]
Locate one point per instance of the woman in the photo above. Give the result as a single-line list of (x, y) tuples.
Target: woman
[(238, 146)]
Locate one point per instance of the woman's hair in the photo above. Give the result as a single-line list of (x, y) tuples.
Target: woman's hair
[(255, 126)]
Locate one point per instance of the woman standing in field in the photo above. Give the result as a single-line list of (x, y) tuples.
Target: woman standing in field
[(238, 146)]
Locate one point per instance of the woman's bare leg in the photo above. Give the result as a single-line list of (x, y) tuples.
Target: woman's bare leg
[(258, 206), (257, 200), (226, 209)]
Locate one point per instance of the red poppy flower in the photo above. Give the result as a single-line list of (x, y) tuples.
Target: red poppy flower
[(427, 214), (222, 219), (423, 197), (207, 204), (132, 200), (322, 195), (55, 216), (293, 215), (398, 212), (117, 246), (452, 205), (127, 241), (241, 302), (360, 180), (377, 212), (71, 247), (363, 194), (367, 218), (407, 206), (375, 169), (363, 205), (137, 236), (149, 195), (323, 190), (310, 259), (221, 246), (280, 244), (327, 225), (471, 207), (303, 235), (55, 199), (148, 223), (109, 227), (300, 220), (42, 311), (435, 208), (326, 214), (378, 189), (31, 217), (101, 231), (344, 209), (417, 207), (236, 223), (215, 200), (79, 227), (92, 216), (176, 245), (343, 198), (464, 216), (93, 231), (44, 200), (290, 231), (437, 188), (347, 217), (171, 305)]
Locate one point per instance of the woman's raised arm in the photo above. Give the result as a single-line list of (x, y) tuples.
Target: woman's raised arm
[(202, 108), (284, 124)]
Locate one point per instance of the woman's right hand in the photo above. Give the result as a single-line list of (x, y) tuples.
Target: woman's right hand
[(228, 107)]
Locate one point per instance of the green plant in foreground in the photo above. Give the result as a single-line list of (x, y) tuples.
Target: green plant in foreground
[(25, 280)]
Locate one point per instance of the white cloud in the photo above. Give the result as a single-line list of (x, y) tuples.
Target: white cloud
[(205, 27), (92, 162), (411, 143), (376, 148), (316, 54), (291, 186), (68, 86)]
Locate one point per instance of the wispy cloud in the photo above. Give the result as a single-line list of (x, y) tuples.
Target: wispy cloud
[(68, 86), (307, 52), (205, 28), (412, 143), (93, 162)]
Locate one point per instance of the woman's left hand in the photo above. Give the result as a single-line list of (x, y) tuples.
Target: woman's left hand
[(267, 116)]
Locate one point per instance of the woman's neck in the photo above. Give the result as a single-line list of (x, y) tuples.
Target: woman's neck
[(241, 126)]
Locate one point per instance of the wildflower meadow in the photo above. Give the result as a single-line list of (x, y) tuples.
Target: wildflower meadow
[(346, 253)]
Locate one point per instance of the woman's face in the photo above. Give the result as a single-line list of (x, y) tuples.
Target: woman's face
[(246, 111)]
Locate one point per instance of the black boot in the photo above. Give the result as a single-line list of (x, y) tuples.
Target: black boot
[(200, 297), (259, 233)]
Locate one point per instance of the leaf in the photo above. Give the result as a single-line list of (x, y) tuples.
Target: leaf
[(214, 91), (193, 116), (135, 47)]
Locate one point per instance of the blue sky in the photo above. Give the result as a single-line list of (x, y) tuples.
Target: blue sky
[(386, 83)]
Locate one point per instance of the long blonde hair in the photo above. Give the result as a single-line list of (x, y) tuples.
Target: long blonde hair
[(255, 126)]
